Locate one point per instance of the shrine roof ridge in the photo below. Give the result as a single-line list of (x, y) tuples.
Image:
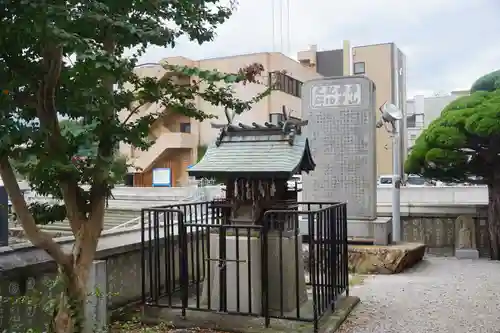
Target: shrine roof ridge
[(285, 130), (284, 126), (269, 150)]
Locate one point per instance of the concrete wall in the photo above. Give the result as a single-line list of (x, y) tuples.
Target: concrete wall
[(434, 226), (24, 269), (400, 72), (440, 232), (432, 106), (330, 63), (379, 68), (136, 198), (436, 195)]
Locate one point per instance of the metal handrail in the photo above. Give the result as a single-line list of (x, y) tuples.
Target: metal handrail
[(134, 221)]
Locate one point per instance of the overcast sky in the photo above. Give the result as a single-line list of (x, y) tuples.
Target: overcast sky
[(448, 43)]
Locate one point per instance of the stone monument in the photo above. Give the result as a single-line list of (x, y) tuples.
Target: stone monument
[(466, 238), (256, 162), (341, 115)]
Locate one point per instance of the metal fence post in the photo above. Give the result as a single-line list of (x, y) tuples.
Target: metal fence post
[(183, 261), (264, 234)]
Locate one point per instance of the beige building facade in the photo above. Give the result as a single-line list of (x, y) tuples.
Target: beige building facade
[(385, 65), (178, 138)]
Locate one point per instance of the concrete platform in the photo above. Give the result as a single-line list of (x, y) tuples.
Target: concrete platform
[(246, 324), (467, 254), (386, 259), (379, 230)]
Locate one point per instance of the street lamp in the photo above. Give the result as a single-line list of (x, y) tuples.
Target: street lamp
[(391, 115)]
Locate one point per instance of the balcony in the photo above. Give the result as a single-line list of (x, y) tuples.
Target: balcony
[(168, 140)]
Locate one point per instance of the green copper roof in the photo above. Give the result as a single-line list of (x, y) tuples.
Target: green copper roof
[(256, 152)]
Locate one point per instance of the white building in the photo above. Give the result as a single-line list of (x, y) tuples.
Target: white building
[(421, 111)]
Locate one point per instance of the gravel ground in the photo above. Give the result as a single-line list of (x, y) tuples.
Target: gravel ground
[(439, 295)]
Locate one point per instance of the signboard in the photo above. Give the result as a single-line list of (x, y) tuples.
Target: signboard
[(341, 131), (328, 95), (162, 177)]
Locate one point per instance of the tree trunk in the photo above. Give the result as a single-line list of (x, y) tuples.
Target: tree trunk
[(494, 217), (69, 317), (73, 267)]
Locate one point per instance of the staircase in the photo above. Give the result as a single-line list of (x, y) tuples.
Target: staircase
[(167, 140), (112, 218)]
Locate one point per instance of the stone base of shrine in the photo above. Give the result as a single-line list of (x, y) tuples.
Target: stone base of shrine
[(389, 259), (467, 254), (243, 274), (217, 321)]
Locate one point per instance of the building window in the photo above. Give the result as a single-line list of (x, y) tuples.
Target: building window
[(286, 83), (275, 118), (185, 127), (359, 68), (411, 121)]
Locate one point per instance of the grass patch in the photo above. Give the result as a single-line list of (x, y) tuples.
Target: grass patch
[(135, 326), (128, 320)]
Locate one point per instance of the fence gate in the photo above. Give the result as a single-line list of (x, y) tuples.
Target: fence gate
[(212, 256), (159, 253)]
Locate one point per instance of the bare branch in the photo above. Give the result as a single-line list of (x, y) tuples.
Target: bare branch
[(132, 112), (74, 205)]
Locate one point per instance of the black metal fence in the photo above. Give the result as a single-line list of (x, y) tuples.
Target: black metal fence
[(195, 259)]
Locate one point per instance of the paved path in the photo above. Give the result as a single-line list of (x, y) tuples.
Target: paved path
[(441, 295)]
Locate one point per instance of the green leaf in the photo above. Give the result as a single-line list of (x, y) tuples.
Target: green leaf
[(463, 143), (488, 82), (69, 68)]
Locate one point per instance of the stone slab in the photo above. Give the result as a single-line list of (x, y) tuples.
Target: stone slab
[(237, 274), (467, 254), (283, 284), (341, 132), (390, 259), (96, 309), (246, 324), (378, 230)]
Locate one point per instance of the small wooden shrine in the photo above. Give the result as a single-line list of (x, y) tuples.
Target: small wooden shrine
[(256, 162)]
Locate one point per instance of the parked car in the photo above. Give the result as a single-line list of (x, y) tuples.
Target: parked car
[(384, 181), (415, 181), (410, 181)]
